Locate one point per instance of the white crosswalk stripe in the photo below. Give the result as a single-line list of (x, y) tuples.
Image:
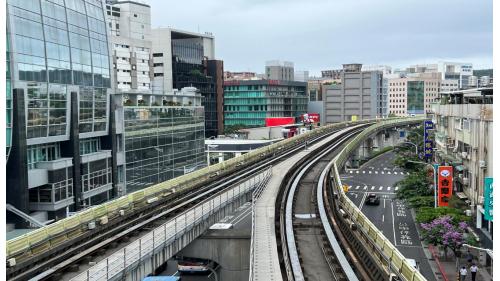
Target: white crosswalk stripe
[(350, 172), (381, 188), (365, 188), (369, 172), (388, 173), (382, 172), (357, 172), (373, 187), (389, 188), (376, 172), (349, 186), (357, 187), (407, 173), (402, 173), (364, 172), (396, 188)]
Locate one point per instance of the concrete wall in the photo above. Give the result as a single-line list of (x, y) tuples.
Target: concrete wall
[(229, 248)]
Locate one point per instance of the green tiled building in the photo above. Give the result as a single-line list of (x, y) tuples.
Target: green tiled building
[(250, 102)]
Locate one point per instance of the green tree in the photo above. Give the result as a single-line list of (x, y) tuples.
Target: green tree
[(415, 184)]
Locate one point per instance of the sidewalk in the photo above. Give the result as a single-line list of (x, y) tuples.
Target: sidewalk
[(447, 268)]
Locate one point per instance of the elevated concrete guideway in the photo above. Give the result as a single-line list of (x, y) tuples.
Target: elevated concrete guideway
[(265, 249)]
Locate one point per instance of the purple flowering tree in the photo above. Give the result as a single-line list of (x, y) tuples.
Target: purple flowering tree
[(443, 232)]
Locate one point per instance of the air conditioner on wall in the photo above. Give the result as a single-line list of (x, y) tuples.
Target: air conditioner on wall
[(464, 154), (482, 164), (480, 200), (465, 181)]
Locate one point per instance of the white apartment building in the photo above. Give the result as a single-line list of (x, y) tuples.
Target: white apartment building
[(130, 25), (456, 70), (413, 94), (449, 85), (464, 139), (163, 39), (376, 67)]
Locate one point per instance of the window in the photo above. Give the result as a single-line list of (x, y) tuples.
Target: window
[(157, 55), (135, 15)]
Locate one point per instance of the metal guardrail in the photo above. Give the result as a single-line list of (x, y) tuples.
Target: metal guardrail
[(255, 196), (396, 262), (162, 236)]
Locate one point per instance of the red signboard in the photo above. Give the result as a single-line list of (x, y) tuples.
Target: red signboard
[(445, 185), (278, 121), (311, 117)]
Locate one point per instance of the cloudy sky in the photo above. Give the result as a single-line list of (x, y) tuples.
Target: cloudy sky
[(324, 34)]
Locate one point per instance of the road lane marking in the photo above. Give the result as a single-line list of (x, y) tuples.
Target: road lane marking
[(383, 216), (393, 227), (364, 172), (407, 173), (369, 172), (357, 172), (384, 203), (389, 173), (362, 201), (402, 173), (357, 187), (382, 172), (396, 188), (381, 188), (388, 188), (365, 188), (376, 172), (373, 187), (350, 172)]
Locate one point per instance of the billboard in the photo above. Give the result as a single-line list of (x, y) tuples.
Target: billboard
[(278, 121), (488, 199), (310, 118), (445, 185), (428, 144)]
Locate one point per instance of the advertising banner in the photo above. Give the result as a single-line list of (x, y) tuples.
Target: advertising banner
[(278, 121), (445, 185), (310, 118), (488, 199), (428, 144)]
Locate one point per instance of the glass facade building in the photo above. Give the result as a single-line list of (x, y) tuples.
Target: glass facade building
[(58, 55), (415, 97), (190, 70), (162, 142), (250, 102)]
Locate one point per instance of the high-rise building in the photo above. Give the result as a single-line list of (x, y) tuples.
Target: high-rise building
[(359, 96), (279, 70), (301, 76), (457, 71), (163, 136), (250, 102), (60, 159), (181, 59), (449, 85), (414, 93), (130, 25)]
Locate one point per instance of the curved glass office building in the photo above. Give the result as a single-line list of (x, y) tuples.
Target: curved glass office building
[(58, 56)]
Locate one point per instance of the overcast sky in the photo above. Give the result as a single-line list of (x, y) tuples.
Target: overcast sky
[(324, 34)]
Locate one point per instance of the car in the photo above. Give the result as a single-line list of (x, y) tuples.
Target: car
[(372, 199)]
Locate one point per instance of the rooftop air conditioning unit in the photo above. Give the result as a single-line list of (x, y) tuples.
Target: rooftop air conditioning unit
[(464, 154), (482, 164)]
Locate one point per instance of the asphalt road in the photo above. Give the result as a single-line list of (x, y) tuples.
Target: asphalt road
[(392, 216)]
